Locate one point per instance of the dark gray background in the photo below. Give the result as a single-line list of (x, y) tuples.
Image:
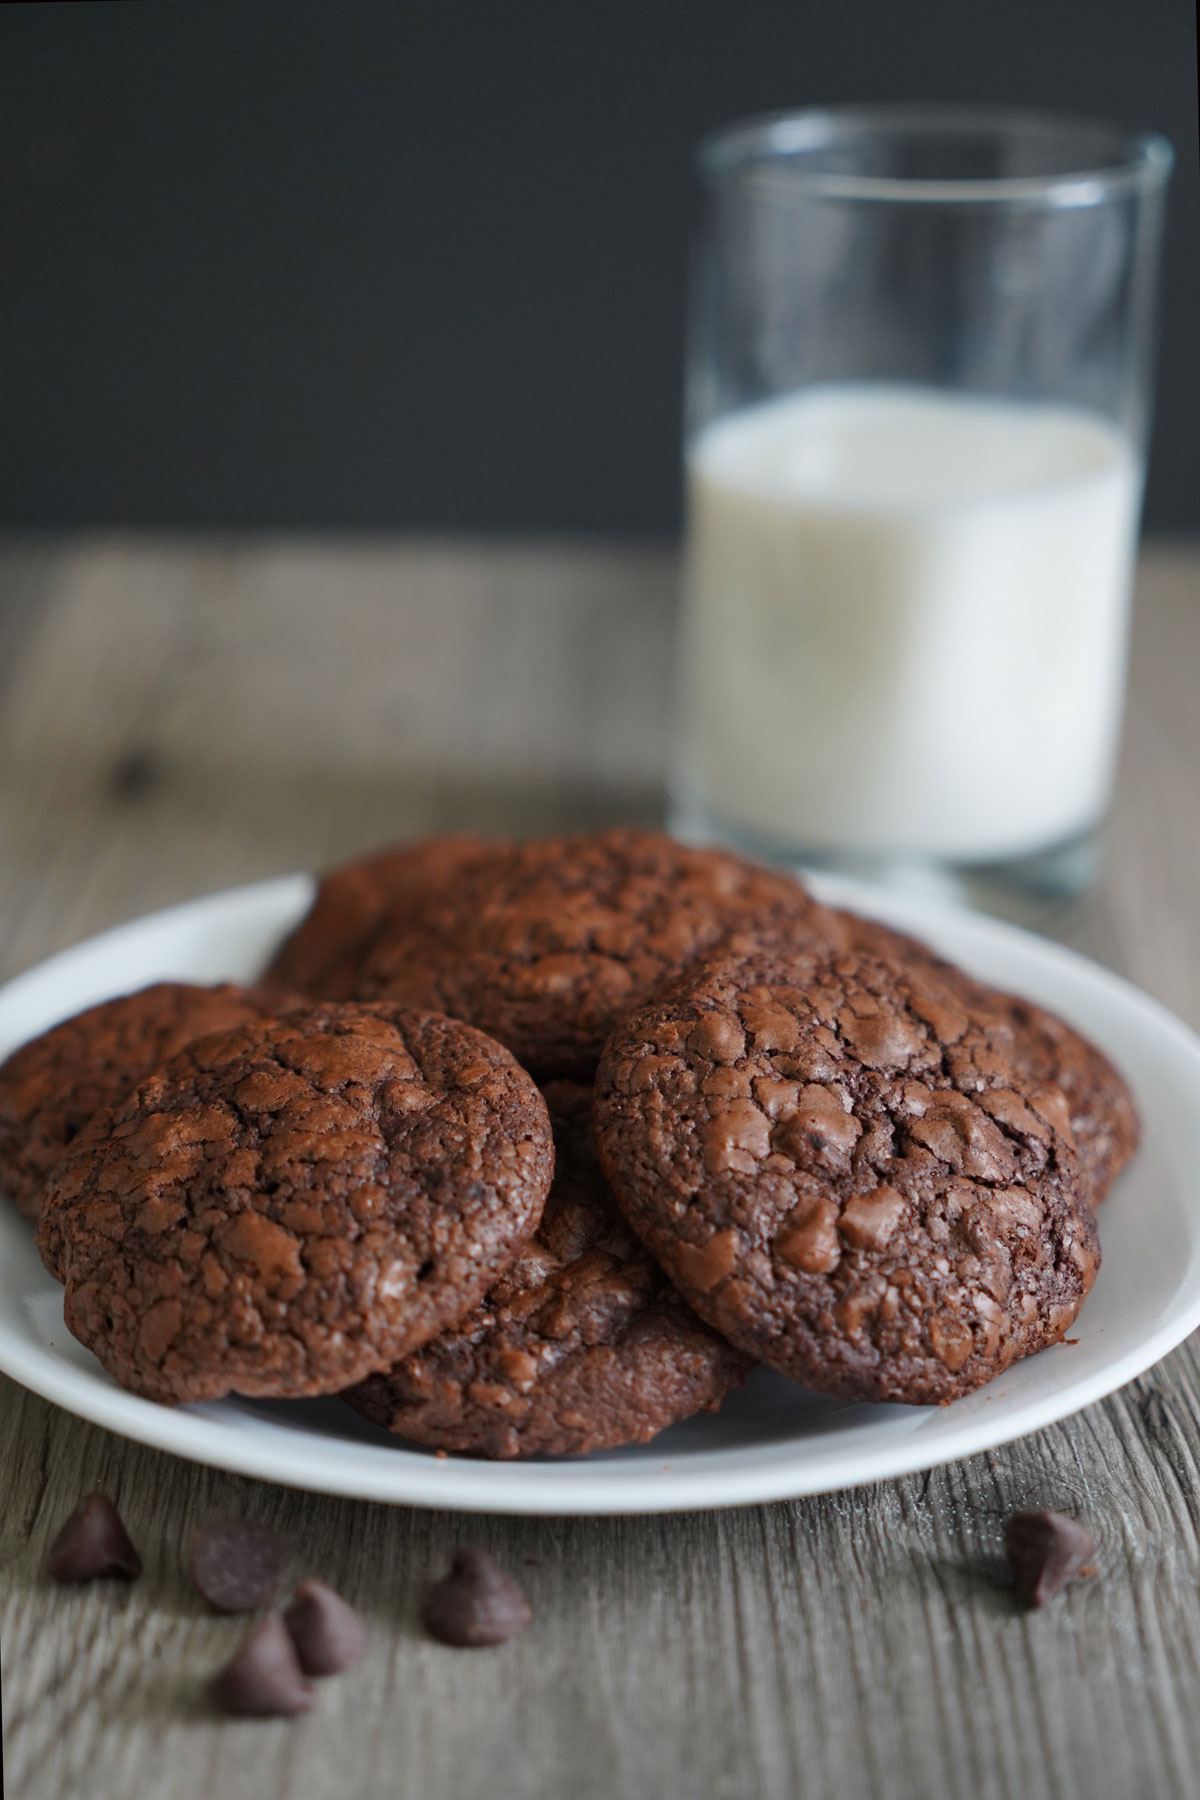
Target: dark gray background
[(363, 263)]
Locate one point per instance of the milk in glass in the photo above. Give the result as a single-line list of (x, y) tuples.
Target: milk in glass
[(905, 622)]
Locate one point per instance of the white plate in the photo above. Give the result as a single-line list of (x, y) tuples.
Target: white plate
[(771, 1441)]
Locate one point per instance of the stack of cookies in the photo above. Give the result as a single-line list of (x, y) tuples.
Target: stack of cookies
[(535, 1148)]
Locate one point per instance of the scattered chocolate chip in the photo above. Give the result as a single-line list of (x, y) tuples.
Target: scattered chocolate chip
[(93, 1542), (263, 1676), (1046, 1550), (327, 1632), (476, 1604), (237, 1564)]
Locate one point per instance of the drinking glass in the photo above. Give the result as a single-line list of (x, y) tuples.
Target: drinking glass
[(918, 390)]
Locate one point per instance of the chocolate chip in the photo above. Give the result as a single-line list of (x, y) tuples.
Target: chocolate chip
[(1046, 1550), (328, 1633), (263, 1676), (93, 1542), (237, 1564), (476, 1604)]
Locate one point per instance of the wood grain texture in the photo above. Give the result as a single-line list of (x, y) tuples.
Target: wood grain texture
[(175, 719)]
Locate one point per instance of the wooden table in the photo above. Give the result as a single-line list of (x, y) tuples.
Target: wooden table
[(175, 718)]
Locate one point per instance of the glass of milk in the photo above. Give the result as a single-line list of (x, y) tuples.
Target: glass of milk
[(917, 401)]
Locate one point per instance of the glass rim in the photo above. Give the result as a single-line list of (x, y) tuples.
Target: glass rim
[(768, 148)]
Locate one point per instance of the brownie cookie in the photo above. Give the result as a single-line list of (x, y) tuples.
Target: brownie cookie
[(1044, 1048), (581, 1345), (839, 1168), (54, 1084), (285, 1207), (323, 955), (546, 944)]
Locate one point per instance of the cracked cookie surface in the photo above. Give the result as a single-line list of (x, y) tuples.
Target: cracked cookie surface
[(53, 1085), (323, 956), (287, 1206), (840, 1168), (546, 944), (1104, 1119), (581, 1345)]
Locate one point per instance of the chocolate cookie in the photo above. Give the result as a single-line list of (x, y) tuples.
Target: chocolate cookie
[(547, 943), (54, 1084), (840, 1169), (581, 1345), (323, 955), (285, 1207), (1045, 1048)]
